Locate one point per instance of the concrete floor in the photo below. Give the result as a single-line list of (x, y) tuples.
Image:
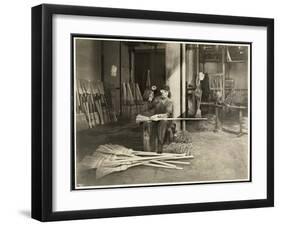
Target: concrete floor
[(217, 157)]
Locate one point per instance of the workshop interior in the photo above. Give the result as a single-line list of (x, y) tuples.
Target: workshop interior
[(148, 112)]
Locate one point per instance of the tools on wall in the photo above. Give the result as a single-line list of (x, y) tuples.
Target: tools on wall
[(92, 103), (94, 107), (82, 113)]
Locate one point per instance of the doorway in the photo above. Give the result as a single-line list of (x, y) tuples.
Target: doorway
[(153, 60)]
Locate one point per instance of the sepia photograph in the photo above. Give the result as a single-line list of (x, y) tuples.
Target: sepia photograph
[(139, 112), (153, 112)]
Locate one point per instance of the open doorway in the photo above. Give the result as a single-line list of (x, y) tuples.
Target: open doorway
[(150, 60)]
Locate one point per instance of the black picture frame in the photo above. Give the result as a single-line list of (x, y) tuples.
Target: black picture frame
[(42, 197)]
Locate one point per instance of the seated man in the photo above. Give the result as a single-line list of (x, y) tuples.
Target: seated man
[(161, 108)]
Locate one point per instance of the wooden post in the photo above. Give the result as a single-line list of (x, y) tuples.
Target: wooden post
[(146, 136), (241, 121), (102, 61), (183, 84), (218, 123), (181, 99), (172, 57), (130, 65), (197, 60), (190, 69), (223, 73), (150, 140), (120, 79)]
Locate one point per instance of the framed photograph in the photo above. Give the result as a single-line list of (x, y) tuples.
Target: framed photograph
[(146, 112)]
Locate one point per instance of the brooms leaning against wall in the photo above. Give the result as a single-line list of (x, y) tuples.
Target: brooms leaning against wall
[(92, 107), (132, 101)]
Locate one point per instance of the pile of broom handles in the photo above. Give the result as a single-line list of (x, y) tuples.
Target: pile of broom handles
[(92, 102)]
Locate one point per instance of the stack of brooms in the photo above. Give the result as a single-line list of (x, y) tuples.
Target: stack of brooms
[(132, 102), (92, 104), (110, 158)]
